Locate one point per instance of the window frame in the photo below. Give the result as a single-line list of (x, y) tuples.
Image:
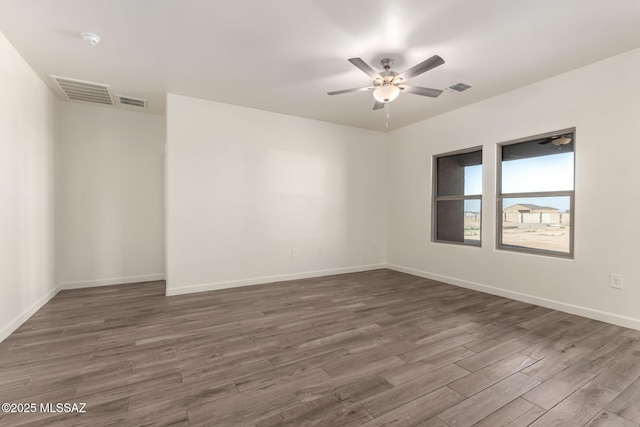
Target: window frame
[(500, 196), (435, 198)]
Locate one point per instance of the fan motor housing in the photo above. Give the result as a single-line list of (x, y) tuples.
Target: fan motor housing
[(386, 63)]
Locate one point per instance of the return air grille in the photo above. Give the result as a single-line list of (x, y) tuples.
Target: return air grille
[(78, 90), (134, 102)]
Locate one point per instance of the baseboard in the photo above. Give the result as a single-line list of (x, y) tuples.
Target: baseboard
[(25, 315), (616, 319), (269, 279), (111, 281)]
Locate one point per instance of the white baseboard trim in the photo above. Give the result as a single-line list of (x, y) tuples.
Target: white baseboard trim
[(616, 319), (25, 315), (111, 281), (268, 279)]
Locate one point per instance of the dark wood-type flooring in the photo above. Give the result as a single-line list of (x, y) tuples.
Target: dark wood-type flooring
[(374, 348)]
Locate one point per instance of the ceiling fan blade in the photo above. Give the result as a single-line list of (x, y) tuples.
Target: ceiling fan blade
[(358, 89), (422, 67), (364, 67), (378, 105), (424, 91), (545, 141)]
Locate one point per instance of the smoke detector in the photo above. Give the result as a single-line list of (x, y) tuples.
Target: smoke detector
[(90, 38)]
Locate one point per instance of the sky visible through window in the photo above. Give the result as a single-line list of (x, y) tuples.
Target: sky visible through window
[(473, 180), (472, 187), (546, 173)]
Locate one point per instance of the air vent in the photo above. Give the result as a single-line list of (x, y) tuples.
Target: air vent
[(459, 87), (78, 90), (134, 102)]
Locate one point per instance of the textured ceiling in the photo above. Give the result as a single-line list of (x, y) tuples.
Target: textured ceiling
[(284, 55)]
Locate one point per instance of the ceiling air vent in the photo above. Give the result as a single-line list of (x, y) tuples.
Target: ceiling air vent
[(78, 90), (134, 102), (459, 87)]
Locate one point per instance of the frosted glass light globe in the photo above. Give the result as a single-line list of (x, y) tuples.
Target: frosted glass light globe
[(386, 93)]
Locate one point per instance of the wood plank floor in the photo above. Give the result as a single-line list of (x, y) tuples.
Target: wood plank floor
[(375, 348)]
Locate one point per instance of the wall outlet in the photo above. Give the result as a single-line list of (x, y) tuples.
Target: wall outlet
[(294, 253), (616, 281)]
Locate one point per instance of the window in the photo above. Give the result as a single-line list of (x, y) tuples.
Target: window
[(457, 197), (536, 194)]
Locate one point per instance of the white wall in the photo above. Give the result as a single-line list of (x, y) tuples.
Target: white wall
[(603, 102), (27, 137), (245, 187), (110, 196)]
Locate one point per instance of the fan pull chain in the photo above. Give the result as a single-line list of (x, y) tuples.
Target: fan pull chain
[(387, 107)]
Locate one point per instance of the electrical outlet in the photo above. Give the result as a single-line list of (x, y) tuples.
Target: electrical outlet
[(294, 253), (616, 281)]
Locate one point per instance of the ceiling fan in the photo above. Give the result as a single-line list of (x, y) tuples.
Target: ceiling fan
[(557, 140), (388, 84)]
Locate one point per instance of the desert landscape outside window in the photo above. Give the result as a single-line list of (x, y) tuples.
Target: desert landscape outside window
[(536, 194), (457, 197)]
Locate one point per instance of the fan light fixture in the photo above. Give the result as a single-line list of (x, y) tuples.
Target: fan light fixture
[(563, 140), (386, 93)]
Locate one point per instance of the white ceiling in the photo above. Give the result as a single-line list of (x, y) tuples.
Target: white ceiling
[(284, 55)]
